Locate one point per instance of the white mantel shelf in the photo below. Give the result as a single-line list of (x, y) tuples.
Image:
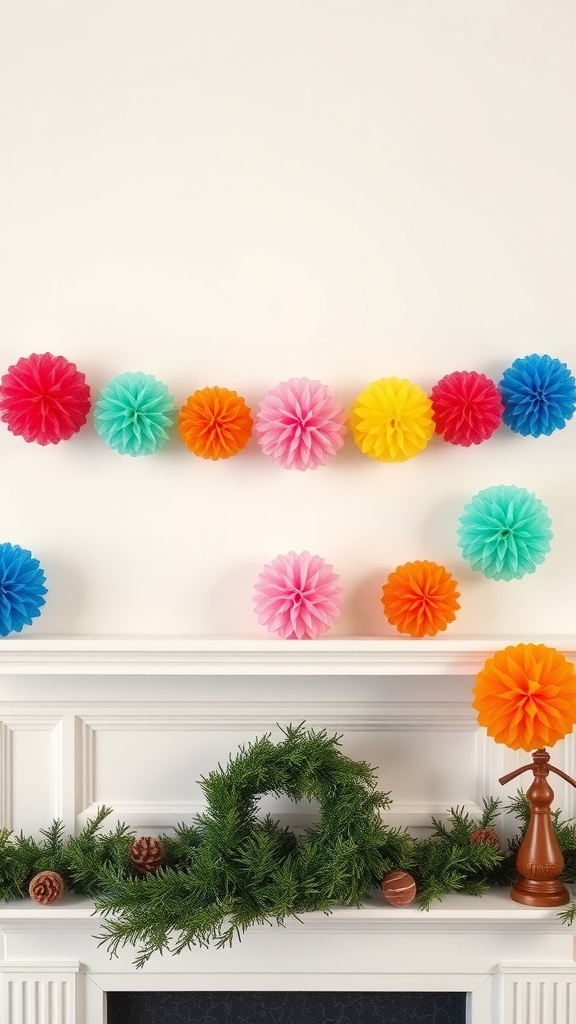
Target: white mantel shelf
[(60, 655), (495, 911)]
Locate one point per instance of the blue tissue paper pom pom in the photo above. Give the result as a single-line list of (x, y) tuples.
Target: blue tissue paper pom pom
[(21, 588), (539, 395), (505, 532)]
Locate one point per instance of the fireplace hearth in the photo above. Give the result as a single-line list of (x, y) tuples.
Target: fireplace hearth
[(286, 1008)]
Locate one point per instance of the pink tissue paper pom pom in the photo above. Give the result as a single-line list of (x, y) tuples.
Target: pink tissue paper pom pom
[(467, 407), (44, 398), (301, 424), (298, 597)]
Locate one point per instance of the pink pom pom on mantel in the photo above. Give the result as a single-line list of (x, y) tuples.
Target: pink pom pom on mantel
[(298, 596), (467, 407), (301, 424)]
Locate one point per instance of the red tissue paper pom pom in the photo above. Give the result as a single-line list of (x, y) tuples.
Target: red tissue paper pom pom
[(467, 407), (44, 398)]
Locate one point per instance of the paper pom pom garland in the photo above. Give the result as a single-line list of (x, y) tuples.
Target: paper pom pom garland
[(392, 420), (525, 696), (420, 598), (21, 588), (539, 395), (505, 532), (44, 398), (215, 423), (135, 414), (298, 596), (301, 424), (467, 407)]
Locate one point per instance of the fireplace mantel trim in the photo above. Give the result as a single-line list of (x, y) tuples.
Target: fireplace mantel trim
[(244, 656), (493, 912)]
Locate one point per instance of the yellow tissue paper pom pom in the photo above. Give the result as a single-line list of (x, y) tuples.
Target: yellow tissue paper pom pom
[(392, 420)]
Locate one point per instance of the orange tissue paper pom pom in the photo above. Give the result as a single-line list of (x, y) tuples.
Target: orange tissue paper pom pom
[(215, 423), (525, 696), (419, 598)]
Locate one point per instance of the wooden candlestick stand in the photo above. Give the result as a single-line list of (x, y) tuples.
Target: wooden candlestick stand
[(539, 859)]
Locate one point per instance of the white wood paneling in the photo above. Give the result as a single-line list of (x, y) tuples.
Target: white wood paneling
[(40, 992), (33, 760), (538, 993), (140, 744)]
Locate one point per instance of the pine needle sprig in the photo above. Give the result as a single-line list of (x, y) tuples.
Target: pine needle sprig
[(88, 856), (568, 914), (181, 845), (448, 861), (19, 855), (519, 808)]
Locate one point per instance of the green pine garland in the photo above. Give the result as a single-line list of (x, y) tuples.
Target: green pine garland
[(233, 869), (83, 861)]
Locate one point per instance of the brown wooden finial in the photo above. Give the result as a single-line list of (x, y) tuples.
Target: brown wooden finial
[(539, 859)]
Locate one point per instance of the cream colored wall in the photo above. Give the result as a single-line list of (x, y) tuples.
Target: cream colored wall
[(240, 191)]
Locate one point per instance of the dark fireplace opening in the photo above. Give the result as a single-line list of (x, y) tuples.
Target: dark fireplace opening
[(286, 1007)]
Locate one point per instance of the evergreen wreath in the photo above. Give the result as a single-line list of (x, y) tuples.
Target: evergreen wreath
[(238, 869), (233, 869)]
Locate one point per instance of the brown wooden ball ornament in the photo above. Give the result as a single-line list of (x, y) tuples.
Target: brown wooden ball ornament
[(398, 888), (487, 836), (46, 887), (147, 854)]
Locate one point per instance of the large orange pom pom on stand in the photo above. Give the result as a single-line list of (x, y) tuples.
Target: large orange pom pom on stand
[(525, 696)]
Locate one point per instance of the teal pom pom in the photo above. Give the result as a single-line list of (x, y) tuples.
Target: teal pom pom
[(505, 532), (135, 414)]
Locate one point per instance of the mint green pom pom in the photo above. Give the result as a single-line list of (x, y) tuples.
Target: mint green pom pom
[(135, 414), (505, 532)]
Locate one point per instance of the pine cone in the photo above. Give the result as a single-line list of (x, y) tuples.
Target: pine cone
[(487, 836), (46, 887), (147, 854)]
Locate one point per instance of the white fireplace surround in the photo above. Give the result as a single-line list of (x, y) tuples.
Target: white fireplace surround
[(133, 723)]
